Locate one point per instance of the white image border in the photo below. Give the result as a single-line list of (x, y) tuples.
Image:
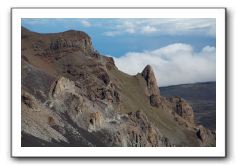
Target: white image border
[(217, 13)]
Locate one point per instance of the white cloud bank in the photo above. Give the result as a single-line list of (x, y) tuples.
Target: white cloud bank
[(173, 64)]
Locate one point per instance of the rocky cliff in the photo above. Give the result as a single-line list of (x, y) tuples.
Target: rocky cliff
[(201, 97), (74, 96)]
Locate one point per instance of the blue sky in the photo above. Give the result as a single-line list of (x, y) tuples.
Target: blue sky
[(142, 41)]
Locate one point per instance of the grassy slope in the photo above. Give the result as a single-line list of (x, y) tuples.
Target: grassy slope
[(134, 98)]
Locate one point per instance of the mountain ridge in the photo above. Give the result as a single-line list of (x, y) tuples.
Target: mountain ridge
[(202, 82)]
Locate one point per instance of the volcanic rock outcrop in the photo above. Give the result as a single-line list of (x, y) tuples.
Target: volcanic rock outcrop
[(74, 96), (149, 76), (153, 91)]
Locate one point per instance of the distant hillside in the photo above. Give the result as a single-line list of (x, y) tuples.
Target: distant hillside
[(201, 96)]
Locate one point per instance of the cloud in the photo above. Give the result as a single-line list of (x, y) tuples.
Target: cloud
[(85, 23), (206, 27), (148, 29), (121, 28), (163, 26), (174, 64), (112, 33), (128, 26)]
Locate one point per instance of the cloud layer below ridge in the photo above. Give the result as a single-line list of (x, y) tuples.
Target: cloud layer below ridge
[(173, 64)]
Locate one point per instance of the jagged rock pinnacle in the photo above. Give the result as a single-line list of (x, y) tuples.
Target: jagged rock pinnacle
[(152, 88), (150, 78)]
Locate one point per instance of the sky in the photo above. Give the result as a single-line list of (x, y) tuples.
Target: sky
[(180, 51)]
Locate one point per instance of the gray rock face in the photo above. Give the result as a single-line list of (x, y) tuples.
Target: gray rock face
[(137, 131), (54, 46), (71, 40)]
